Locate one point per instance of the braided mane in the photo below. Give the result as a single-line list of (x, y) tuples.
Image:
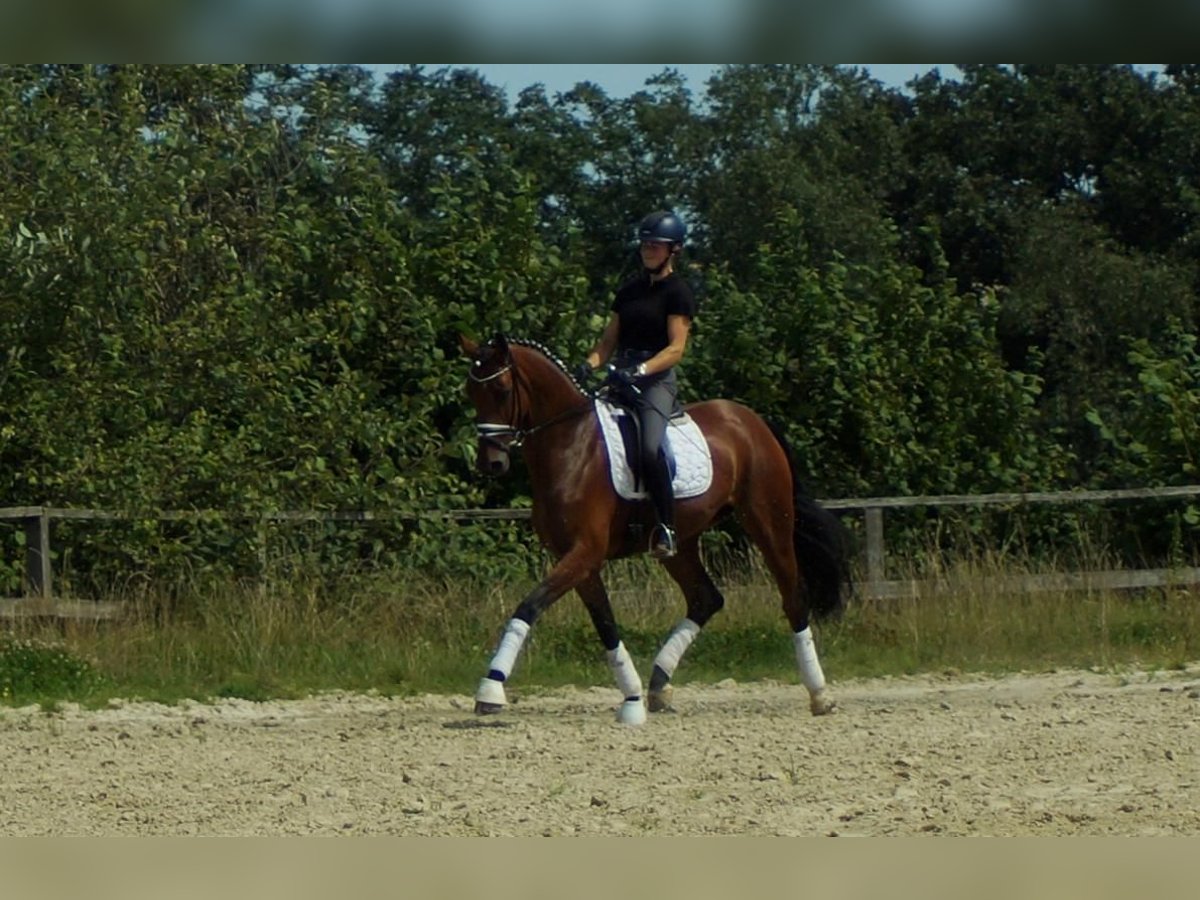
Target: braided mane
[(549, 354)]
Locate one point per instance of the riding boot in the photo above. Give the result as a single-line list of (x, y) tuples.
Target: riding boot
[(658, 485)]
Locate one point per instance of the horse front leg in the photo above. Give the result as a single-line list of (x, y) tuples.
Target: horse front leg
[(570, 571), (595, 598)]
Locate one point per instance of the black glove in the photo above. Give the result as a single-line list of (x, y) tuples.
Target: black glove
[(625, 375), (583, 373)]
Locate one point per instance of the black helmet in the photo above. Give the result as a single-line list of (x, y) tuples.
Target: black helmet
[(663, 226)]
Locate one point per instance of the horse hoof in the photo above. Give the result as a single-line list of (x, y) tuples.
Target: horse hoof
[(632, 712), (822, 705), (490, 698), (660, 701)]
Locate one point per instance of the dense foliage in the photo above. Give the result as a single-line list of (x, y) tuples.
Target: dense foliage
[(238, 288)]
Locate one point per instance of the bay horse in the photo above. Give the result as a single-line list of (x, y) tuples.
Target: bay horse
[(524, 397)]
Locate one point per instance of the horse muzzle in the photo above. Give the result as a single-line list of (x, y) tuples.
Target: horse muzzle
[(492, 457)]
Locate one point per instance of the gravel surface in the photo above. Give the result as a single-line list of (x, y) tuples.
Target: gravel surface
[(1067, 753)]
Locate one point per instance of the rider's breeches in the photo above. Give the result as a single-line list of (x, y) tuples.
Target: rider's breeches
[(656, 405)]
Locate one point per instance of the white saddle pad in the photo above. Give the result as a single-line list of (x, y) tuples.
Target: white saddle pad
[(684, 441)]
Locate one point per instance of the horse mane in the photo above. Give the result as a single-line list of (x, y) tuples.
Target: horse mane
[(548, 353)]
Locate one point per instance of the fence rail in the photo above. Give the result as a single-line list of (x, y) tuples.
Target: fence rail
[(36, 521)]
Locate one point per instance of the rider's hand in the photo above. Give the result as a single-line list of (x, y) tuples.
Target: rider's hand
[(583, 373), (626, 375)]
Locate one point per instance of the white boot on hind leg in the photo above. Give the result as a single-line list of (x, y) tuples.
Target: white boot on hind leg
[(672, 651), (811, 675)]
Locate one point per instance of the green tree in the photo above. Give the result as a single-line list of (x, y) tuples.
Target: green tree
[(888, 384)]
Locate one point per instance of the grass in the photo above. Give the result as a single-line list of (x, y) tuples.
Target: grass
[(401, 633)]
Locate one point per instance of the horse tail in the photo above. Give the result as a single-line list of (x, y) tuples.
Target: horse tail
[(822, 546)]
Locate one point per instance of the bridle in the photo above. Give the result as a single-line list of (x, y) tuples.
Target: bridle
[(493, 433)]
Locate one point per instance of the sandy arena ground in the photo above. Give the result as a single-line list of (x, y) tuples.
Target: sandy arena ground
[(1070, 753)]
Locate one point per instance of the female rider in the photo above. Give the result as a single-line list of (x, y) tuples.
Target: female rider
[(646, 337)]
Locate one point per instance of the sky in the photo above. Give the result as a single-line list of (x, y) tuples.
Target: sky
[(623, 79)]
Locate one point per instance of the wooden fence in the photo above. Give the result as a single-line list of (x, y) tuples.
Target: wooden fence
[(877, 584), (40, 600)]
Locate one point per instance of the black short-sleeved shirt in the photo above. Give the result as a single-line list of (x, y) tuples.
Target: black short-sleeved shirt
[(643, 307)]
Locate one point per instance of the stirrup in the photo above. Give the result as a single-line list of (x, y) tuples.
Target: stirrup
[(662, 542)]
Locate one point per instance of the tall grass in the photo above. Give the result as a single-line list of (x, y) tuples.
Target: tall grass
[(399, 631)]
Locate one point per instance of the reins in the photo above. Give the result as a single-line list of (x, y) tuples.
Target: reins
[(490, 432)]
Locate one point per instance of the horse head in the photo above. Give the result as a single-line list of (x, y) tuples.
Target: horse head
[(491, 388), (519, 389)]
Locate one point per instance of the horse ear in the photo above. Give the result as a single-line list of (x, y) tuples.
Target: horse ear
[(500, 342), (469, 347)]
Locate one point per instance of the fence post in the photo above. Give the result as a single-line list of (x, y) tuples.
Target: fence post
[(37, 555), (262, 548), (874, 523)]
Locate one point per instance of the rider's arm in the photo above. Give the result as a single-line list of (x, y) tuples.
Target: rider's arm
[(677, 333), (607, 344)]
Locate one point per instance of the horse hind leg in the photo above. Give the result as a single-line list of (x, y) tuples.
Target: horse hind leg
[(809, 665), (703, 602), (795, 607), (820, 702), (775, 539)]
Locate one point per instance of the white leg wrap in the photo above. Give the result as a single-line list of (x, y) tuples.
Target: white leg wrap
[(806, 659), (672, 651), (510, 645), (624, 672)]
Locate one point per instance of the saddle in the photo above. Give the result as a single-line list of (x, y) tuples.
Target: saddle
[(689, 458)]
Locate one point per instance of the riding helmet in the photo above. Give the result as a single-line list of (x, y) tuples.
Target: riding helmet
[(662, 226)]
